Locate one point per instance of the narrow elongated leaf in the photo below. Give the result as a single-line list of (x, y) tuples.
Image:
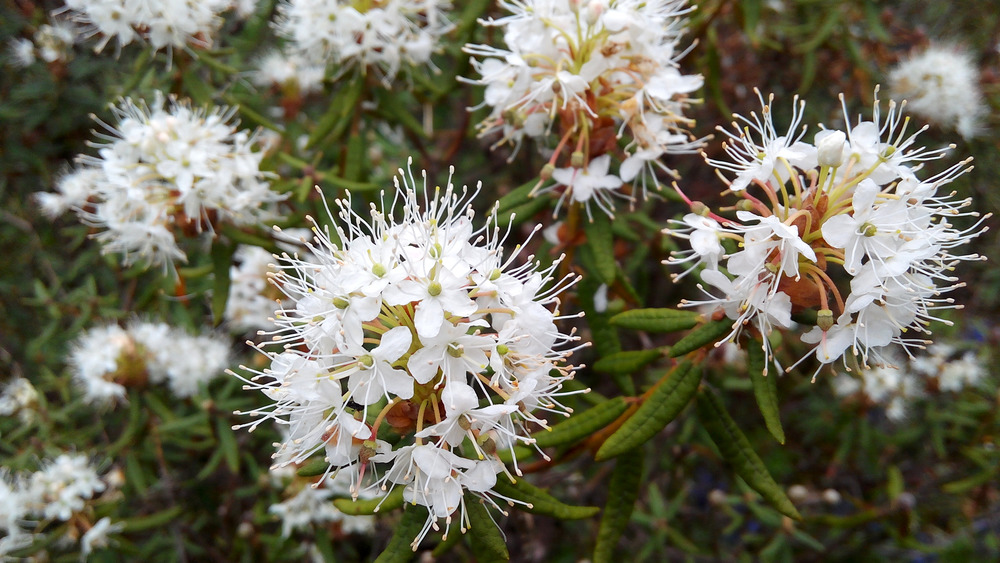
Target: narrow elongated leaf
[(227, 442), (581, 425), (661, 405), (540, 502), (627, 362), (359, 507), (708, 333), (312, 467), (488, 545), (522, 213), (222, 259), (516, 198), (656, 320), (765, 389), (139, 523), (602, 246), (401, 548), (737, 451), (623, 491), (339, 113)]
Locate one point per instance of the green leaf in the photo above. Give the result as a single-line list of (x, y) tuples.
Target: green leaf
[(156, 520), (627, 362), (708, 333), (516, 198), (522, 213), (765, 389), (581, 425), (346, 184), (222, 259), (388, 503), (737, 451), (661, 405), (227, 442), (623, 490), (538, 501), (486, 540), (602, 247), (313, 467), (338, 115), (656, 320), (401, 545)]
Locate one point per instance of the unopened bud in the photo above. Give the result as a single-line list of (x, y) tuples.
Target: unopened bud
[(576, 159), (340, 302), (700, 209), (830, 148)]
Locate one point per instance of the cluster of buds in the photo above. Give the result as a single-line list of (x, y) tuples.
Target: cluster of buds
[(413, 343), (843, 226), (578, 75)]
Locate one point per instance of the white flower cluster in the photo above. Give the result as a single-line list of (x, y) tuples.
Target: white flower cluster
[(311, 505), (381, 35), (596, 69), (251, 301), (19, 397), (106, 360), (59, 491), (51, 42), (941, 85), (417, 327), (896, 385), (290, 71), (844, 226), (164, 170), (163, 23)]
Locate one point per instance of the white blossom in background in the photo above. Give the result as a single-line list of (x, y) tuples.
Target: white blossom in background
[(311, 505), (160, 23), (844, 226), (941, 84), (15, 508), (419, 322), (62, 487), (289, 71), (97, 535), (381, 35), (165, 170), (106, 360), (51, 42), (19, 397), (252, 298), (903, 380), (578, 76)]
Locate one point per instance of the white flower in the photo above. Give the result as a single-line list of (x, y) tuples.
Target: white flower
[(941, 85), (846, 228), (165, 170), (97, 535), (448, 339), (62, 487), (106, 360), (381, 36), (313, 505), (290, 70), (163, 23), (19, 397), (598, 70)]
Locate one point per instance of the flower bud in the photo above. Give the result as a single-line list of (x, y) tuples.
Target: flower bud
[(830, 148), (576, 159)]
